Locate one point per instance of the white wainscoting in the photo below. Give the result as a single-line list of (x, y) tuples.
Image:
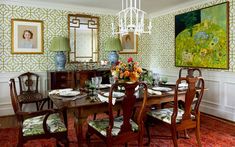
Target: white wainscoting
[(218, 100), (5, 100)]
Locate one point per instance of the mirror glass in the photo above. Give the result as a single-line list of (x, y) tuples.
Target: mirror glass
[(83, 37)]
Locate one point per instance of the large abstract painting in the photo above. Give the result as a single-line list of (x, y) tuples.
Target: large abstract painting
[(201, 38)]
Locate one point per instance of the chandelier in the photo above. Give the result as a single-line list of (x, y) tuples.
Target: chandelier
[(131, 19)]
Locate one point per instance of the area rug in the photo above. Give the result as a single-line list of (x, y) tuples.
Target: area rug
[(214, 133)]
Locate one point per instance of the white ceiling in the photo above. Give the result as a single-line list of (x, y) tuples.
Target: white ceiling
[(148, 6)]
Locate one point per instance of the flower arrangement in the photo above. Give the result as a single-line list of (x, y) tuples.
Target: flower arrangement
[(129, 71)]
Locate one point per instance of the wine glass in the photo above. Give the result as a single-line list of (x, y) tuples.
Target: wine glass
[(99, 81), (94, 83)]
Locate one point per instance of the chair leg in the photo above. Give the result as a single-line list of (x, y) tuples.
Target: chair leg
[(148, 132), (197, 131), (126, 144), (37, 106), (174, 136), (186, 134), (94, 117), (88, 138)]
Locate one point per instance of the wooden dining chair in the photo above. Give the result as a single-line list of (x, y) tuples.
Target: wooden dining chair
[(29, 90), (180, 119), (41, 124), (124, 128)]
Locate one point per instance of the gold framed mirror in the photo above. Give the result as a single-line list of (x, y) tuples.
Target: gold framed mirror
[(83, 35)]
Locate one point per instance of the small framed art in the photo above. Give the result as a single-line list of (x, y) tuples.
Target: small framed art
[(129, 43)]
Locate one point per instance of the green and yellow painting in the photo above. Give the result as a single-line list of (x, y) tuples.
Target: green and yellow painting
[(201, 38)]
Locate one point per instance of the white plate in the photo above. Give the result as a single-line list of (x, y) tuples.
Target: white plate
[(69, 93), (115, 94), (164, 89), (185, 85), (104, 86), (65, 90)]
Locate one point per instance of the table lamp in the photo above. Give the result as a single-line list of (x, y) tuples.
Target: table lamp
[(60, 45), (113, 45)]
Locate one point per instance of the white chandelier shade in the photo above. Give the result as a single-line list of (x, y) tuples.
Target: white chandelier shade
[(131, 19)]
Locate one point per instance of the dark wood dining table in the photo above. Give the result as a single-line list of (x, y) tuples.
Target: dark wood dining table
[(83, 106)]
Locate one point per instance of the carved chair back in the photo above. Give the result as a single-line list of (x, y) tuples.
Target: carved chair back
[(28, 82), (189, 96), (128, 106)]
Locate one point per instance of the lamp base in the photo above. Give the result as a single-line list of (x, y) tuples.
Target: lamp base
[(60, 60), (113, 57)]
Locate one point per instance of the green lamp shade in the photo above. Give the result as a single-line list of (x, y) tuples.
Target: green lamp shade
[(60, 44), (113, 44)]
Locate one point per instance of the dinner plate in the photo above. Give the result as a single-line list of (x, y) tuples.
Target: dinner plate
[(115, 94), (69, 93), (163, 89), (183, 85), (103, 86)]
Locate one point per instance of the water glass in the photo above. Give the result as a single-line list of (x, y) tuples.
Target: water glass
[(94, 82), (111, 80), (156, 78)]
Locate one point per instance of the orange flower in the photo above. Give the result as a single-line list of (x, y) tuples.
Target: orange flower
[(126, 73)]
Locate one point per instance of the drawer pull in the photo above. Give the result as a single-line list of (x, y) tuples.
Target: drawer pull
[(63, 77)]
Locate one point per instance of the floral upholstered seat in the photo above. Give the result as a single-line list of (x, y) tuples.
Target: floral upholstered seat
[(102, 124), (34, 125), (165, 114)]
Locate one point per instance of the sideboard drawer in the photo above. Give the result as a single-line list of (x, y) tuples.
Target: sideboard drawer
[(64, 84), (61, 79)]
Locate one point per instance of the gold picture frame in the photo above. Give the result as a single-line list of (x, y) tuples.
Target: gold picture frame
[(129, 43), (27, 36)]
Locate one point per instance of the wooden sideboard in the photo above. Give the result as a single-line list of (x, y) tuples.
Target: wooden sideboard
[(73, 79), (61, 79)]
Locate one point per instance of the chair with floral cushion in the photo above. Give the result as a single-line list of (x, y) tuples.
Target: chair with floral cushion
[(180, 119), (42, 124), (29, 90), (124, 128)]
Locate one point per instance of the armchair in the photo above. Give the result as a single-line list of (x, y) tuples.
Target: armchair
[(42, 124)]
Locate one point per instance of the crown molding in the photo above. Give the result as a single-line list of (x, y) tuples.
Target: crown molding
[(59, 6), (178, 7)]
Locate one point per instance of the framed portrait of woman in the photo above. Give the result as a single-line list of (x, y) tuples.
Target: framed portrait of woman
[(27, 36), (129, 43)]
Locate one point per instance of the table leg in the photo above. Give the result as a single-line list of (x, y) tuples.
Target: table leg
[(78, 125)]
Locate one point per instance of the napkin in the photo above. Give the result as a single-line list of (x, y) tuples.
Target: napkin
[(58, 91), (154, 92), (106, 99)]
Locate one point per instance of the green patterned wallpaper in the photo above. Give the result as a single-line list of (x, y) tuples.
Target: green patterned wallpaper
[(162, 54), (55, 23), (154, 51)]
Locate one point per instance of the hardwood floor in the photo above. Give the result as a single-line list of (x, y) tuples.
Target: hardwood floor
[(8, 121)]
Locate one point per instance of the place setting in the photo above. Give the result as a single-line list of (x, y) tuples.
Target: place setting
[(67, 94)]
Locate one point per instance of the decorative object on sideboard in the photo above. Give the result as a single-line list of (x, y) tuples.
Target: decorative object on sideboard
[(60, 45), (131, 19), (113, 45)]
